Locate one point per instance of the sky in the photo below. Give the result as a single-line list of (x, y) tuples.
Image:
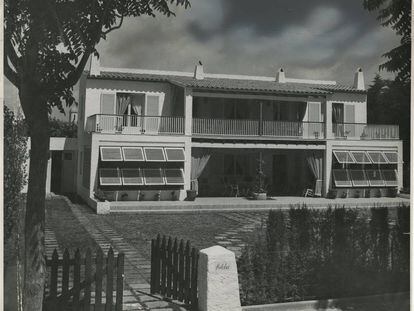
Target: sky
[(316, 39)]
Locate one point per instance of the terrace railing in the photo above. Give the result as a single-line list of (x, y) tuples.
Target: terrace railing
[(362, 131), (244, 127), (134, 124)]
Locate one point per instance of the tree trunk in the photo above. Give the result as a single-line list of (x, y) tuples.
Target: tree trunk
[(36, 113)]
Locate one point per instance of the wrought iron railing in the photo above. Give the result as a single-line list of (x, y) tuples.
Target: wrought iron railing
[(362, 131)]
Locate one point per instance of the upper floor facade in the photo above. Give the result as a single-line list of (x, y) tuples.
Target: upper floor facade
[(218, 106)]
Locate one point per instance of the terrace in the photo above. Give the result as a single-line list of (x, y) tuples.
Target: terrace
[(220, 127)]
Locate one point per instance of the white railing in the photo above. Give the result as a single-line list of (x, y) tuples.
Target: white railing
[(231, 127), (133, 124), (359, 131)]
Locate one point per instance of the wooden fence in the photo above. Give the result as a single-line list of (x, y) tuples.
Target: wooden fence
[(174, 270), (78, 283)]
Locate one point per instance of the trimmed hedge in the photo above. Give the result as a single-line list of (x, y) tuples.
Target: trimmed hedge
[(318, 254)]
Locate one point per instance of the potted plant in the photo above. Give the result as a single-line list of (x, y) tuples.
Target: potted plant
[(332, 193), (392, 192), (259, 191), (100, 195), (191, 195)]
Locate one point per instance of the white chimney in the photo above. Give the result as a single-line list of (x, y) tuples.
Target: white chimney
[(95, 66), (359, 80), (280, 76), (199, 71)]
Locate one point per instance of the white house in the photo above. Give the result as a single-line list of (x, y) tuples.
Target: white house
[(152, 135)]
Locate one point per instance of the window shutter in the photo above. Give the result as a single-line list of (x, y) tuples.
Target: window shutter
[(349, 114), (153, 105), (314, 112), (107, 103)]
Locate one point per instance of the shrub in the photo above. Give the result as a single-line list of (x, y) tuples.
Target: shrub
[(59, 128), (15, 156), (318, 254)]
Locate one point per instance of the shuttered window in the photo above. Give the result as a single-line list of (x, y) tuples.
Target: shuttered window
[(109, 177), (358, 178), (153, 176), (374, 178), (174, 176), (111, 154), (154, 154), (107, 103), (132, 177), (174, 154), (314, 112), (133, 154), (343, 156), (390, 177), (360, 157), (153, 105), (341, 178), (391, 156), (377, 157)]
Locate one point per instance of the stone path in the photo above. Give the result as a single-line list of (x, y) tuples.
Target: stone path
[(137, 267)]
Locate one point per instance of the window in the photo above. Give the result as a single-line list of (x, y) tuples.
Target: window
[(107, 104), (111, 154), (153, 177), (132, 177), (174, 176), (343, 156), (390, 177), (377, 157), (341, 178), (375, 178), (358, 178), (391, 156), (86, 167), (174, 154), (133, 154), (154, 154), (109, 177), (360, 157)]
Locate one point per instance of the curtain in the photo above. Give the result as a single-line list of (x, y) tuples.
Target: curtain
[(301, 111), (338, 119), (123, 101), (315, 163), (199, 160)]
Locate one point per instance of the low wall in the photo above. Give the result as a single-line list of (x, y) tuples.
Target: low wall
[(397, 301)]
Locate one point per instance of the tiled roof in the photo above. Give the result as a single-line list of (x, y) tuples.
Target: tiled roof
[(225, 84)]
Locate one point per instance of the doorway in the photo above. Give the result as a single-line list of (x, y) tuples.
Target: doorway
[(56, 172)]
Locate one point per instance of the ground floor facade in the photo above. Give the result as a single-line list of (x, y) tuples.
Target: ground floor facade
[(118, 168)]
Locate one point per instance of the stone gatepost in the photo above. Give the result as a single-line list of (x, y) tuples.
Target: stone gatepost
[(218, 284)]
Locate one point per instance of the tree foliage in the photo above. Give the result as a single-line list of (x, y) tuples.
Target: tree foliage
[(397, 15), (15, 156), (60, 128)]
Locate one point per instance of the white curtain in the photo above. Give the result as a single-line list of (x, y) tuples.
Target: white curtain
[(123, 100), (315, 163), (199, 160)]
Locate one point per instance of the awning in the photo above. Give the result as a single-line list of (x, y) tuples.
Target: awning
[(111, 153), (390, 177), (153, 176), (391, 156), (174, 154), (375, 178), (174, 176), (358, 178), (132, 177), (133, 154), (343, 156), (377, 157), (360, 157), (341, 178), (154, 154), (109, 177)]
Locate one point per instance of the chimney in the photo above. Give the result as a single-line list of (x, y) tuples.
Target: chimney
[(359, 80), (199, 71), (280, 76), (95, 66)]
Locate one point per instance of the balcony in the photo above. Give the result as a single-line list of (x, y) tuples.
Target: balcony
[(255, 128), (361, 131), (133, 124)]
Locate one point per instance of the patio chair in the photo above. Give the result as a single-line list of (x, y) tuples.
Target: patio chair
[(308, 192)]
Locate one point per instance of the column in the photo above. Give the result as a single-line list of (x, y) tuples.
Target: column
[(188, 111), (328, 120)]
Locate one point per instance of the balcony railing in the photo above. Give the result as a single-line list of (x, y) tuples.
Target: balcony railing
[(241, 127), (360, 131), (133, 124)]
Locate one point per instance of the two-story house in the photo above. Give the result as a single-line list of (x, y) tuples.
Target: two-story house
[(152, 135)]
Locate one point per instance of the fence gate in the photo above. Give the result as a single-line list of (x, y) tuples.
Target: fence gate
[(84, 283), (174, 270)]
